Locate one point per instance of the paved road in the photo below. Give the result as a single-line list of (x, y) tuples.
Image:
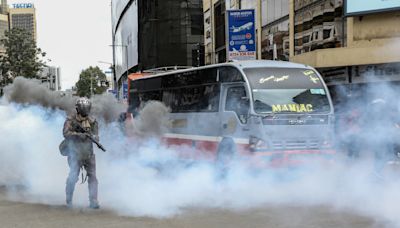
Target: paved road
[(17, 214)]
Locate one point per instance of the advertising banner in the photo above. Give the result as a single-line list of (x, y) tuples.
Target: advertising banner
[(359, 7), (241, 35), (125, 90)]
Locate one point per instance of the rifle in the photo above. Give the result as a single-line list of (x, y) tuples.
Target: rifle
[(79, 128)]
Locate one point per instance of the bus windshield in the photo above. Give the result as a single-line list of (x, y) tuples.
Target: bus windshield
[(287, 90)]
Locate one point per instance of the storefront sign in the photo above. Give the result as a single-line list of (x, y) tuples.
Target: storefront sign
[(376, 73)]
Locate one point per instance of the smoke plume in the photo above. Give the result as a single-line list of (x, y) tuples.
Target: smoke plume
[(32, 92), (147, 178), (152, 120)]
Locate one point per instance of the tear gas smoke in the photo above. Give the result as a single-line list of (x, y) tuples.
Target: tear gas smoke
[(152, 120), (32, 92), (106, 107), (148, 179)]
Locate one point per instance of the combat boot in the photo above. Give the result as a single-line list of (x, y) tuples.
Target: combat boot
[(94, 205), (69, 204), (69, 195)]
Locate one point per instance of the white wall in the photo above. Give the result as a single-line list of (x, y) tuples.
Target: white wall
[(126, 34)]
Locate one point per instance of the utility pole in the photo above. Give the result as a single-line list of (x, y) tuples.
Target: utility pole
[(212, 32), (259, 28), (91, 85), (291, 29)]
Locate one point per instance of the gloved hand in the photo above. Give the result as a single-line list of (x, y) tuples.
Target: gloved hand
[(81, 136)]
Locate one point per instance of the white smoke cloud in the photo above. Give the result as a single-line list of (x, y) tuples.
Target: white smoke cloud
[(144, 178)]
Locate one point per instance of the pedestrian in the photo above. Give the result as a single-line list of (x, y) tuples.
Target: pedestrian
[(77, 129)]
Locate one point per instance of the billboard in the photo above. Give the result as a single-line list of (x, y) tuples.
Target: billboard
[(241, 39), (359, 7)]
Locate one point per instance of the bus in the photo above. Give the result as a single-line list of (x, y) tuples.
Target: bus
[(279, 112)]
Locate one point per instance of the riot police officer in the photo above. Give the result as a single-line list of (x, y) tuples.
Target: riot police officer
[(80, 150)]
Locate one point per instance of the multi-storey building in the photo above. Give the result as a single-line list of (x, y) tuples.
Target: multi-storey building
[(23, 16), (155, 33), (4, 22), (351, 50), (275, 30), (215, 26)]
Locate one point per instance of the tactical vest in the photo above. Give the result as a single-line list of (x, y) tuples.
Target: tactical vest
[(83, 148)]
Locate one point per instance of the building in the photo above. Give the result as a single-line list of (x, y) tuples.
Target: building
[(214, 30), (275, 30), (215, 26), (352, 50), (51, 77), (155, 33), (4, 22), (23, 16)]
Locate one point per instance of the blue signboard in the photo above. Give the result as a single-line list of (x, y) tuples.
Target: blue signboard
[(125, 90), (241, 34), (113, 92), (22, 5)]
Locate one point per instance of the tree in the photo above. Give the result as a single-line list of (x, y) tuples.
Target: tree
[(22, 57), (94, 76)]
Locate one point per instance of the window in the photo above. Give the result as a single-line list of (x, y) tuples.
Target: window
[(190, 78), (196, 22), (230, 74), (170, 99), (306, 39), (236, 102), (202, 98), (327, 33), (149, 96)]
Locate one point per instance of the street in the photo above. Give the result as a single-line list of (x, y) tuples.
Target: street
[(17, 214)]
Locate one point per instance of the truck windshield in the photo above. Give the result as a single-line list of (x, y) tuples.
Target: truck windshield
[(287, 90)]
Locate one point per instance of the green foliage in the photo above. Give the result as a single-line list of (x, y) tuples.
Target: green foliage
[(22, 57), (94, 75)]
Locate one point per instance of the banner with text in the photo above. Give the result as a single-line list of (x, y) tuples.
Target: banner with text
[(241, 34)]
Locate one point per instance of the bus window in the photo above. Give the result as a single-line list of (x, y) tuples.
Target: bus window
[(190, 78), (203, 98), (134, 102), (230, 74), (149, 96), (170, 99), (236, 101)]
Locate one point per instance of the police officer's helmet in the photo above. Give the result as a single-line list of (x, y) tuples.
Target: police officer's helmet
[(83, 106)]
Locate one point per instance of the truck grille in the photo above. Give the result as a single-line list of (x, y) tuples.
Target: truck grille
[(295, 144)]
